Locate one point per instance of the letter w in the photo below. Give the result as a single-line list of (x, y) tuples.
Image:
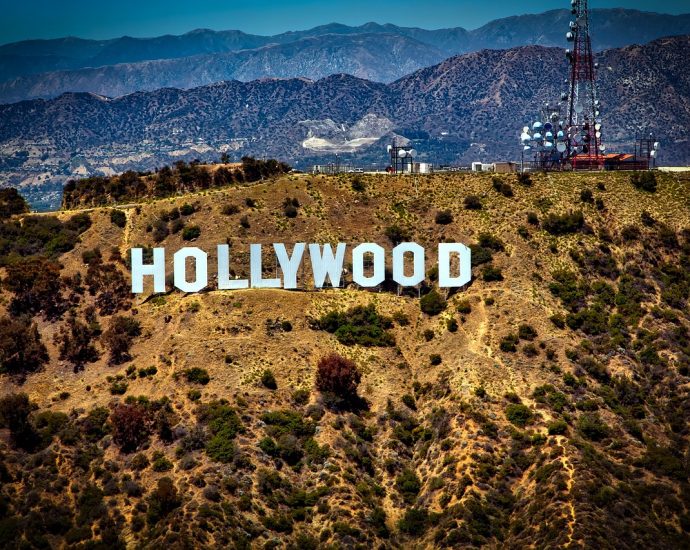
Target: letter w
[(323, 263)]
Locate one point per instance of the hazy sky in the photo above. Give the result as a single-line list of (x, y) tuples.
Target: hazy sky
[(103, 19)]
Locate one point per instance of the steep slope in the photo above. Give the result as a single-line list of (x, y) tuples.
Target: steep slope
[(547, 409)]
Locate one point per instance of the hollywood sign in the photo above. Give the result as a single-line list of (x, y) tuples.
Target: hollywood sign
[(325, 264)]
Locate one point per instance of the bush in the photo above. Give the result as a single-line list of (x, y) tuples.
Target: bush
[(11, 203), (526, 332), (435, 359), (532, 218), (337, 375), (509, 343), (230, 209), (359, 325), (290, 211), (118, 217), (358, 185), (397, 234), (408, 485), (592, 427), (464, 307), (414, 522), (518, 414), (432, 303), (491, 273), (472, 202), (645, 181), (15, 409), (244, 222), (119, 336), (163, 500), (21, 348), (524, 179), (131, 425), (587, 196), (452, 325), (502, 187), (269, 380), (444, 217), (562, 224), (37, 286), (197, 375), (191, 232), (487, 240), (558, 427)]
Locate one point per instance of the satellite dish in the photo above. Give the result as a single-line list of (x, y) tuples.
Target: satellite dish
[(560, 147), (564, 96), (548, 145), (652, 154), (573, 3), (525, 137), (569, 36), (402, 153), (560, 134), (573, 25), (537, 126), (413, 152), (548, 127), (389, 148), (598, 135), (548, 135), (597, 112), (525, 130), (527, 148), (602, 148), (579, 108), (537, 137), (597, 126), (596, 65), (657, 145)]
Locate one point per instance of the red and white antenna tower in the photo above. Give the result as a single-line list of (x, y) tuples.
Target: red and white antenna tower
[(584, 116)]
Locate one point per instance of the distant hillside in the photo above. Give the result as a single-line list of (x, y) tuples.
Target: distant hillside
[(469, 107), (47, 68), (545, 405)]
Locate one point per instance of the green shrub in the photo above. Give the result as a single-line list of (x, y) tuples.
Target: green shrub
[(435, 359), (432, 303), (161, 463), (197, 375), (452, 325), (118, 217), (414, 521), (563, 224), (645, 181), (472, 202), (518, 414), (408, 485), (558, 427), (508, 343), (526, 332), (269, 380), (191, 232), (444, 217), (464, 307), (358, 185), (492, 273), (359, 325), (397, 234), (592, 427), (187, 209)]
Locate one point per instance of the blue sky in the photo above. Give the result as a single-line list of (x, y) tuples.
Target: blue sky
[(97, 19)]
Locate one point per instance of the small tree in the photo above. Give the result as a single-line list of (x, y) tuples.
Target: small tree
[(21, 349), (338, 375), (131, 426), (118, 338), (15, 409), (432, 303)]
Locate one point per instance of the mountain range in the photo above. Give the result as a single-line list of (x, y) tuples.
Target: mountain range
[(382, 53), (469, 107)]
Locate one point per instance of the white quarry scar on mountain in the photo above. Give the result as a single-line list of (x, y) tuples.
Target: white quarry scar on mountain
[(327, 135)]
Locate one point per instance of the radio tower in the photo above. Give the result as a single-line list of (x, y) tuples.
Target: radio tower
[(583, 123)]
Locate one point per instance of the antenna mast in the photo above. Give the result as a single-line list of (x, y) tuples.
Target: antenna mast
[(584, 122)]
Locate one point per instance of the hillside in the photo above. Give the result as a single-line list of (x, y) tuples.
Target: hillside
[(47, 68), (544, 405), (470, 107)]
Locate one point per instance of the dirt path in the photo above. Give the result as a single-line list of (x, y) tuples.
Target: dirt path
[(570, 481)]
